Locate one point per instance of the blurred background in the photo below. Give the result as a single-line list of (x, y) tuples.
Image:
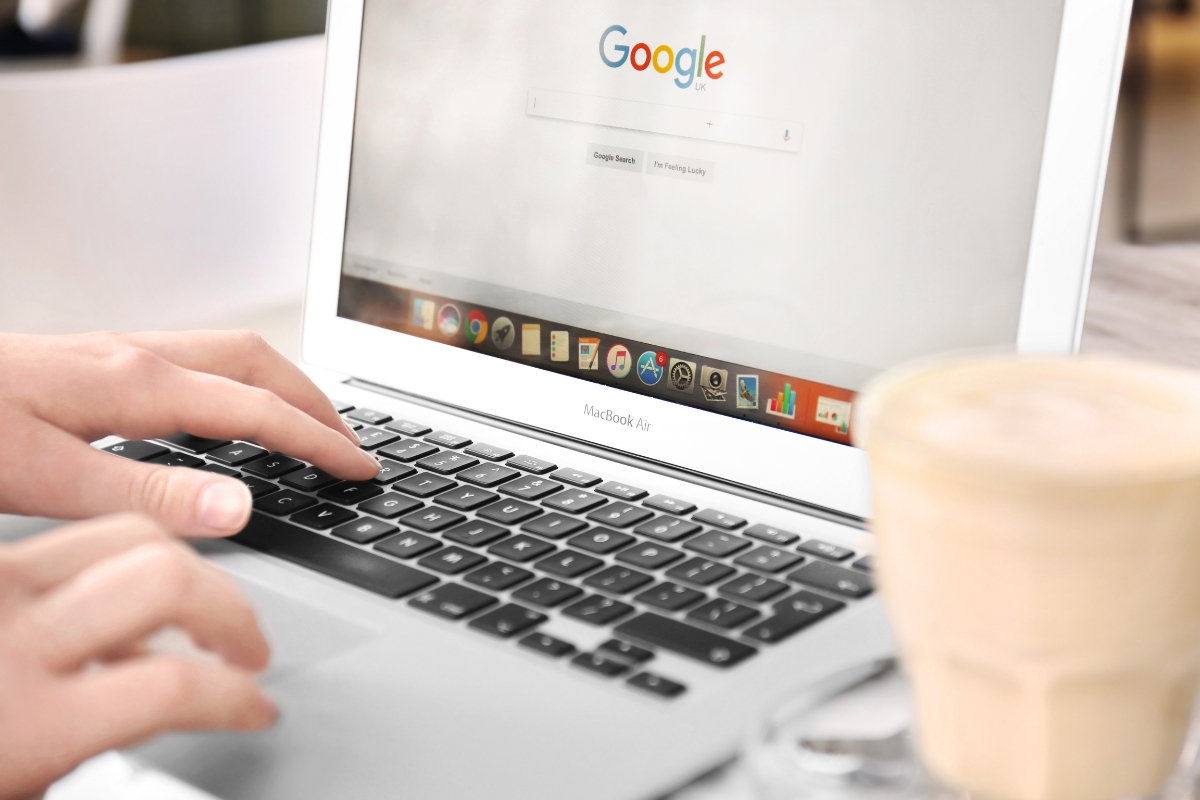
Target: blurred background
[(157, 161)]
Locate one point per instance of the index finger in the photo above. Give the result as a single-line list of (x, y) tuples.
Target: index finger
[(245, 357)]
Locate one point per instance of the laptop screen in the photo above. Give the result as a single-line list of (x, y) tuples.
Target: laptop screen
[(746, 208)]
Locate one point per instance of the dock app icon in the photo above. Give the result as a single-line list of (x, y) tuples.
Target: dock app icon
[(682, 375), (560, 346), (714, 383), (531, 339), (423, 313), (589, 353), (747, 391)]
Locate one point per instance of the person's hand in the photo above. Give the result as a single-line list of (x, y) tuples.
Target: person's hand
[(57, 393), (76, 676)]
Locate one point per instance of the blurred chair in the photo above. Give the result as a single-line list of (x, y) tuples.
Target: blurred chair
[(157, 194)]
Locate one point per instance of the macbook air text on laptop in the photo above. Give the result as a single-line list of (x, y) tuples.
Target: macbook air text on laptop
[(598, 284)]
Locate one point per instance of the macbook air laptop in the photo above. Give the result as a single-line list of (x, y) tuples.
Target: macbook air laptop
[(598, 282)]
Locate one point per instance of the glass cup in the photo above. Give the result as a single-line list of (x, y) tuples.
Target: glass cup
[(1038, 530)]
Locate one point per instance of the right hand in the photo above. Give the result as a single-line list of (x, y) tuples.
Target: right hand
[(76, 606)]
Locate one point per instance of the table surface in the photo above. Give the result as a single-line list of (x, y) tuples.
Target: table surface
[(1144, 303)]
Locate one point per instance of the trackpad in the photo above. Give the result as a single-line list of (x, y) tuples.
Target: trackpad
[(300, 634)]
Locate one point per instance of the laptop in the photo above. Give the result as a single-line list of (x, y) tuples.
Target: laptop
[(598, 282)]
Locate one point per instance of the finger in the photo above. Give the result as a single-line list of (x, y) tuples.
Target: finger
[(124, 704), (60, 476), (43, 562), (245, 357), (127, 597), (165, 399)]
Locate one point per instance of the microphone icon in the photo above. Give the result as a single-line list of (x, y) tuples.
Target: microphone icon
[(786, 135)]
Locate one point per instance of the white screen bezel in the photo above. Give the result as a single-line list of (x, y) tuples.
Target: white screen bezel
[(812, 471)]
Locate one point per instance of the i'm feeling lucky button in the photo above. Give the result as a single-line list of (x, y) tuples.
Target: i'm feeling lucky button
[(688, 169)]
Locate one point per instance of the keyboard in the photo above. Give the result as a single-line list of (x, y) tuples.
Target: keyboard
[(499, 541)]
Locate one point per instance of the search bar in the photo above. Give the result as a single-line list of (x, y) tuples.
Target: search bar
[(692, 123)]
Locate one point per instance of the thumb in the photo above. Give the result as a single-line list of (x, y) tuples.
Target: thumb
[(189, 502)]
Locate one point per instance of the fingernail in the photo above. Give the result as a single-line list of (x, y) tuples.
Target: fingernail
[(224, 506), (367, 457)]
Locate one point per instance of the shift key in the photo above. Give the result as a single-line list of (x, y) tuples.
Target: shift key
[(678, 637)]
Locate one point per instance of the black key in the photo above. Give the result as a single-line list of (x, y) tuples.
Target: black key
[(408, 545), (618, 580), (621, 490), (368, 416), (309, 479), (597, 663), (234, 454), (447, 463), (600, 540), (568, 564), (866, 564), (177, 460), (620, 515), (389, 505), (649, 556), (576, 477), (451, 440), (719, 519), (194, 444), (371, 438), (574, 501), (488, 451), (521, 548), (825, 550), (624, 651), (408, 428), (547, 645), (723, 613), (392, 471), (507, 621), (342, 561), (348, 493), (452, 561), (700, 571), (597, 610), (364, 531), (531, 464), (487, 475), (475, 533), (839, 580), (531, 488), (406, 451), (465, 498), (498, 576), (554, 526), (137, 450), (768, 559), (509, 512), (324, 516), (217, 469), (452, 601), (281, 503), (670, 596), (667, 529), (811, 603), (715, 543), (788, 621), (686, 640), (260, 488), (768, 534), (656, 684), (431, 520), (423, 484), (547, 592), (752, 588), (341, 406), (273, 465), (669, 504)]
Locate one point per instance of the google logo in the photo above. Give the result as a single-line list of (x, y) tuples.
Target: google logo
[(662, 58), (477, 326)]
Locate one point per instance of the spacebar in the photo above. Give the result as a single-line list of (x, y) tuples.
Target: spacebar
[(284, 540), (685, 640)]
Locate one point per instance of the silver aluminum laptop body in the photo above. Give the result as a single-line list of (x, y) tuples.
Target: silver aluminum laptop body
[(382, 700)]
